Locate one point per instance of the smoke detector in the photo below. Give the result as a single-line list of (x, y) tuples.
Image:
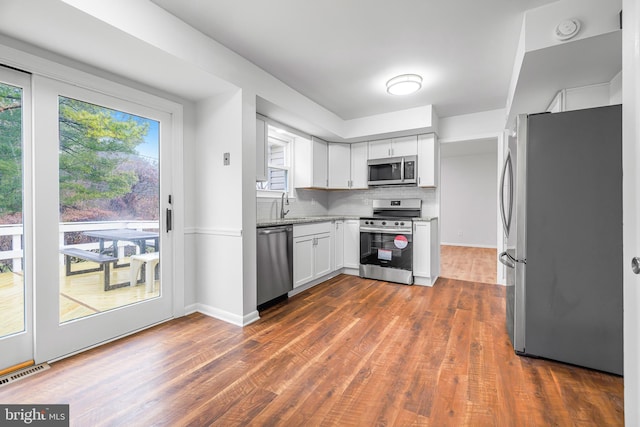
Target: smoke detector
[(567, 29)]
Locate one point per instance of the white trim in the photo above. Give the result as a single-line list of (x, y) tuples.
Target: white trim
[(218, 231), (119, 337), (424, 281), (470, 245), (486, 135), (190, 309), (223, 315)]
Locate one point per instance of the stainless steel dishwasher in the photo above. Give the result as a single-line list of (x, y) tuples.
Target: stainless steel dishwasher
[(275, 263)]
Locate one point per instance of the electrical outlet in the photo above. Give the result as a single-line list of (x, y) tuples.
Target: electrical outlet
[(226, 159), (313, 202), (459, 233)]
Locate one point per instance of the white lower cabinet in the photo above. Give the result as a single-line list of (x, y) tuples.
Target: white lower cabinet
[(352, 243), (322, 256), (312, 252), (338, 244), (426, 259), (303, 255)]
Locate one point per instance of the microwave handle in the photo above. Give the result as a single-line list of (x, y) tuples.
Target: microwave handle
[(402, 170)]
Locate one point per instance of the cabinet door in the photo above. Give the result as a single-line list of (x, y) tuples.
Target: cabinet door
[(380, 149), (319, 160), (322, 258), (406, 146), (339, 166), (359, 168), (261, 150), (422, 249), (303, 256), (352, 243), (338, 245), (427, 160)]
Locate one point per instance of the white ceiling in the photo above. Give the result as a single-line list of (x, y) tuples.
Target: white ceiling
[(340, 53)]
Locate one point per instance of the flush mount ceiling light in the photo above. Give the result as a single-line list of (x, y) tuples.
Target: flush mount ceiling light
[(404, 84)]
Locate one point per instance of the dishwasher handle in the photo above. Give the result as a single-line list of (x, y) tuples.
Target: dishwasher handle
[(272, 230)]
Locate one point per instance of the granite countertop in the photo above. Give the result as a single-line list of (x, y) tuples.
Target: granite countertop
[(425, 218), (302, 220), (310, 219)]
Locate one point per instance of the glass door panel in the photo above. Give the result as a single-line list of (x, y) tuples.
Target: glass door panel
[(101, 180), (16, 342), (109, 208)]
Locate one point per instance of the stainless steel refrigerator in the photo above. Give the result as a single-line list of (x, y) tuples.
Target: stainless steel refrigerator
[(561, 207)]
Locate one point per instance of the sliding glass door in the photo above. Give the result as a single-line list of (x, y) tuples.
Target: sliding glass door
[(102, 180), (16, 262)]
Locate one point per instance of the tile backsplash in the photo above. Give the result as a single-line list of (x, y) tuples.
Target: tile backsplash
[(347, 202)]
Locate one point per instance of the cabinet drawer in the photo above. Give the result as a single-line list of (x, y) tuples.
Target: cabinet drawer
[(314, 228)]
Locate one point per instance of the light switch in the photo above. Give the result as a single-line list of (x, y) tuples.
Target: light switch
[(227, 159)]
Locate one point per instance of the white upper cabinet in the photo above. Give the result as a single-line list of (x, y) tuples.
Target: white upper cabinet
[(261, 150), (310, 163), (394, 147), (380, 149), (428, 160), (406, 146), (359, 169), (347, 166), (339, 166)]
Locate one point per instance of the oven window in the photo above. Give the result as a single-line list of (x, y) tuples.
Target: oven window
[(387, 250), (385, 172)]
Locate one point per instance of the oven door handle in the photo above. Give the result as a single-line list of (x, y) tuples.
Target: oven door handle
[(385, 231)]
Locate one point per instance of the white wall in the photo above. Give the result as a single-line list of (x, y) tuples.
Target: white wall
[(469, 199), (466, 127), (219, 207), (615, 89)]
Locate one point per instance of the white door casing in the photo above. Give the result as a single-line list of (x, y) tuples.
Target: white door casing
[(54, 339), (631, 206), (17, 348)]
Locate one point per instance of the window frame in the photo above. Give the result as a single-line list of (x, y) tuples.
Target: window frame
[(277, 136)]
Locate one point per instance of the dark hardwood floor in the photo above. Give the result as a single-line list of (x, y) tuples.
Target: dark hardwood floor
[(349, 352)]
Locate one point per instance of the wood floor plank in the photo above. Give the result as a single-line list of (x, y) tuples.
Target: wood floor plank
[(348, 352)]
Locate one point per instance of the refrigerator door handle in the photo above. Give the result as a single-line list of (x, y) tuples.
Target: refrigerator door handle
[(506, 219), (507, 260)]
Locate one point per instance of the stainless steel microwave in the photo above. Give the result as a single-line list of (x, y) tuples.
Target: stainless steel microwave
[(393, 171)]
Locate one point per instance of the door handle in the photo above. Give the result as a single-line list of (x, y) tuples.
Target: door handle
[(169, 220), (507, 260), (635, 265)]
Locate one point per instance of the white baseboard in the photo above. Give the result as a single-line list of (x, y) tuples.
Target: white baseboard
[(190, 309), (223, 315), (469, 245), (424, 281)]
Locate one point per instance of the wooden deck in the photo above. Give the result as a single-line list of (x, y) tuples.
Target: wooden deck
[(80, 295), (348, 352)]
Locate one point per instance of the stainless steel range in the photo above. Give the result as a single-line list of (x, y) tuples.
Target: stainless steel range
[(386, 240)]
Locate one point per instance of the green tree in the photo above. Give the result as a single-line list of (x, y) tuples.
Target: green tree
[(94, 141), (10, 149)]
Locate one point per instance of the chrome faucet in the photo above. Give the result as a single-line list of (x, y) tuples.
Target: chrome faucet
[(283, 213)]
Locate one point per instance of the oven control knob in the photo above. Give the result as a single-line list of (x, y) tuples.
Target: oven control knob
[(396, 222), (384, 222), (366, 223), (402, 223)]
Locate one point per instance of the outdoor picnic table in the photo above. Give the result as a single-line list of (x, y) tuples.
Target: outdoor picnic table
[(139, 238)]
